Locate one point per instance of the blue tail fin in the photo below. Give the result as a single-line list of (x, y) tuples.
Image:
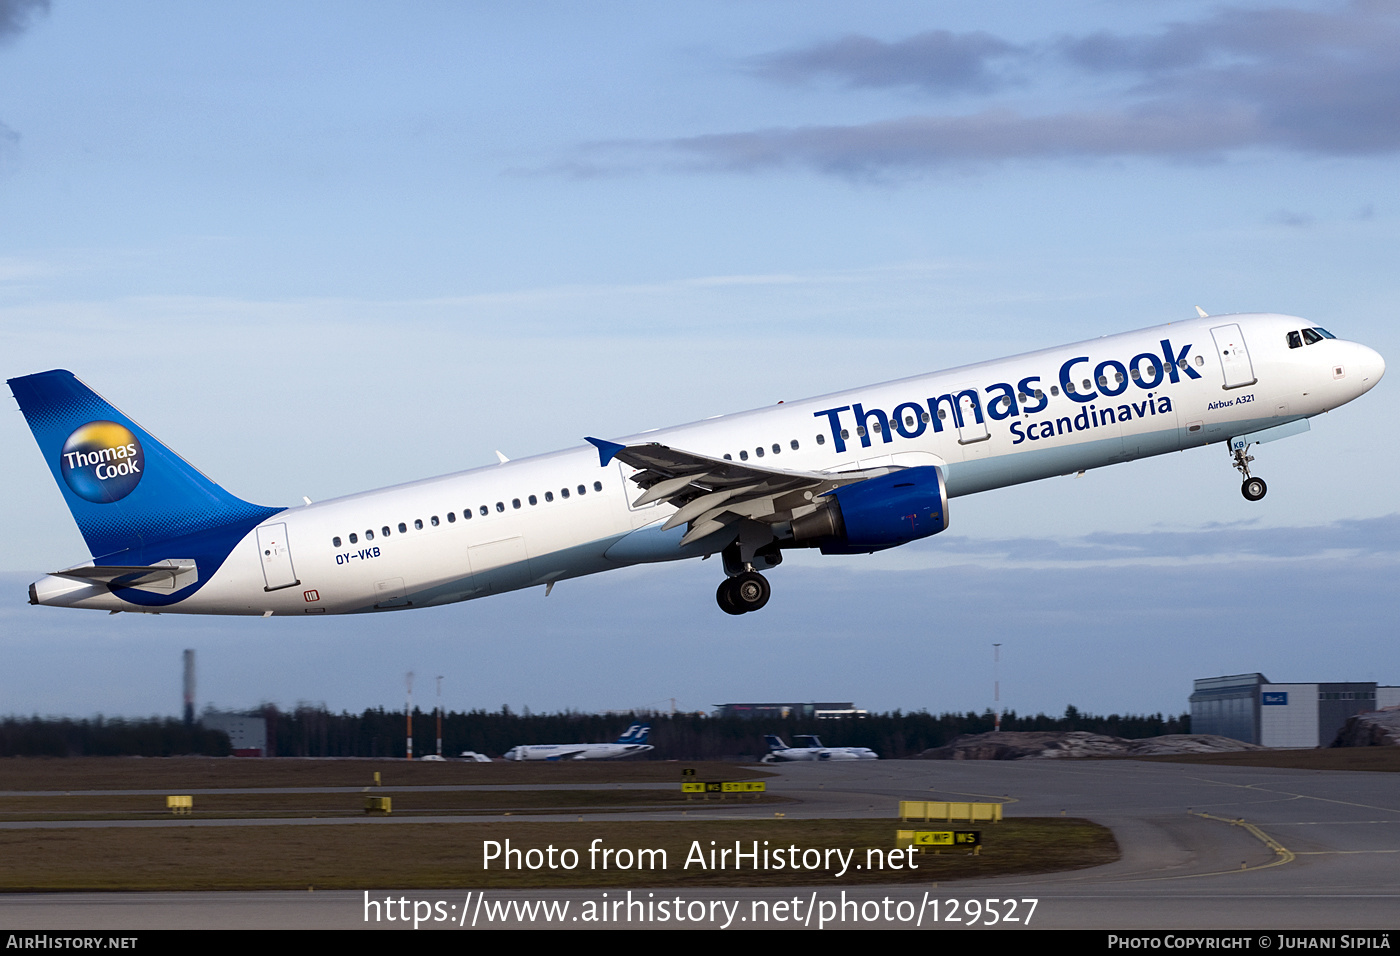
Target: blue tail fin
[(129, 494), (635, 734)]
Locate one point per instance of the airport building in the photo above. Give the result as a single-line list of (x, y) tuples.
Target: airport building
[(784, 711), (1249, 707), (246, 735)]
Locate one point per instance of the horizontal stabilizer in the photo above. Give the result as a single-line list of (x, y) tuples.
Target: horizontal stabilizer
[(132, 576)]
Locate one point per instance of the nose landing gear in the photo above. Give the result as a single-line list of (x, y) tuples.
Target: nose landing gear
[(1253, 488)]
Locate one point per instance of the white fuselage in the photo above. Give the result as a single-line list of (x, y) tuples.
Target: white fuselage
[(512, 525), (575, 751), (820, 753)]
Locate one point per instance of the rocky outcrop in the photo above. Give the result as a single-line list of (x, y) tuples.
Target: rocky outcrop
[(1379, 728), (1022, 745)]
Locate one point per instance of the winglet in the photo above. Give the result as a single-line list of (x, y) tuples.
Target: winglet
[(607, 450)]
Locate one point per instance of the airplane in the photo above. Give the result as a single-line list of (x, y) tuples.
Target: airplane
[(851, 472), (632, 742), (779, 752)]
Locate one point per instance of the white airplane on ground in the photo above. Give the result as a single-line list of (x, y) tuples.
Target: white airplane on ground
[(632, 742), (856, 471), (779, 752)]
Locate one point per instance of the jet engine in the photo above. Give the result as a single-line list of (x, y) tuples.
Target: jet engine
[(877, 513)]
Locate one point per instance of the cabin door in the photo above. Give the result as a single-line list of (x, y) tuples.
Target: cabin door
[(1234, 356), (276, 557)]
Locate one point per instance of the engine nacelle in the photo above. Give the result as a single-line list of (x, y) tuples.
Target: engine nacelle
[(878, 513)]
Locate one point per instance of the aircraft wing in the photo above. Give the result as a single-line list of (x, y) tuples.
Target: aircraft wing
[(711, 493)]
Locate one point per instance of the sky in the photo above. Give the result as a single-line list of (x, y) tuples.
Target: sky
[(319, 248)]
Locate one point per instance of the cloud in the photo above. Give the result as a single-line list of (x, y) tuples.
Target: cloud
[(1322, 82), (15, 16), (935, 61), (918, 142), (1372, 542)]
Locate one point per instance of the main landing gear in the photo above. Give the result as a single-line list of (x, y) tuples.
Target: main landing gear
[(744, 592), (743, 588), (1253, 488)]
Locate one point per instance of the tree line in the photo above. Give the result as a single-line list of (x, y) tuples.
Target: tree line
[(307, 731)]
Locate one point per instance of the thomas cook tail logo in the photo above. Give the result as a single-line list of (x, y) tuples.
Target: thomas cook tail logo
[(102, 462)]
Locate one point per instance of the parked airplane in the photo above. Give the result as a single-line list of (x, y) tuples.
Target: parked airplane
[(779, 752), (632, 742), (855, 471)]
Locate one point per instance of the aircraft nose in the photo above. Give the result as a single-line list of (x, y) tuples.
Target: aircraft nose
[(1371, 366)]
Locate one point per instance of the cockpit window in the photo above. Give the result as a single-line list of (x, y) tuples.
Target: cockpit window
[(1295, 341), (1324, 333), (1311, 337)]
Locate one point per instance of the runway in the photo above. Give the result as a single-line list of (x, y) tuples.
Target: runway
[(1202, 848)]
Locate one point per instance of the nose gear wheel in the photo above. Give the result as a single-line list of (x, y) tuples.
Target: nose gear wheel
[(1253, 488)]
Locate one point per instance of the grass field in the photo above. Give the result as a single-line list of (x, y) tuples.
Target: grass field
[(275, 804), (450, 855), (181, 774)]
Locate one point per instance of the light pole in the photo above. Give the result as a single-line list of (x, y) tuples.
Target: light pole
[(408, 712), (996, 688), (439, 715)]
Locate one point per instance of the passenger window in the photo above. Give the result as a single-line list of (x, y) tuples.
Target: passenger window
[(418, 524), (777, 448), (1200, 360), (335, 542), (758, 451), (564, 492), (582, 490), (597, 486), (534, 500), (1069, 389), (500, 507), (467, 514), (793, 443), (451, 518), (1054, 390), (384, 531), (1038, 394), (515, 503), (821, 439), (369, 535), (549, 496), (354, 540), (1088, 386), (743, 455), (728, 457), (403, 528), (943, 413), (845, 433), (434, 520), (924, 416), (484, 511), (1310, 337)]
